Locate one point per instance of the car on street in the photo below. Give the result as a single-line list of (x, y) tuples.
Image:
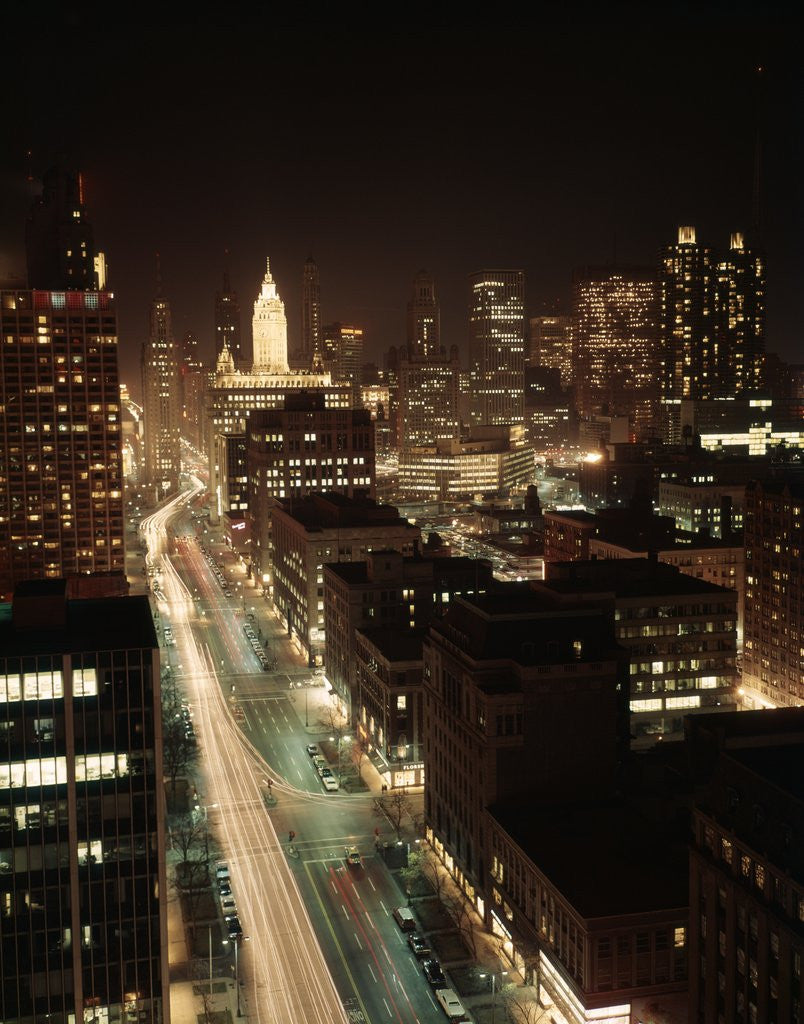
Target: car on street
[(222, 871), (326, 773), (224, 888), (228, 905), (353, 858), (450, 1003), (330, 784), (433, 973), (418, 944), (233, 926), (313, 749)]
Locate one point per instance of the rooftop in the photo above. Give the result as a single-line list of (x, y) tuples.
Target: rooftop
[(396, 644), (332, 511), (639, 862), (779, 765), (625, 577), (115, 623)]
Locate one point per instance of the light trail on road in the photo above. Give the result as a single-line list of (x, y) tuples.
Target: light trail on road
[(287, 978)]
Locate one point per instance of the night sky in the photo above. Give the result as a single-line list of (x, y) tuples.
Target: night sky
[(562, 143)]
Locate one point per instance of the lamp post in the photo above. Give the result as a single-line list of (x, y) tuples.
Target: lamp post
[(493, 976)]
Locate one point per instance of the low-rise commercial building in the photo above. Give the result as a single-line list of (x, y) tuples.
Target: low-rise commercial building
[(321, 528)]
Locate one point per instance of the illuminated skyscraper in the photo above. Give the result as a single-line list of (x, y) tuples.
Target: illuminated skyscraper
[(428, 400), (192, 376), (311, 315), (424, 319), (551, 344), (497, 346), (61, 473), (58, 238), (616, 343), (227, 323), (712, 322), (269, 328), (161, 400), (342, 346)]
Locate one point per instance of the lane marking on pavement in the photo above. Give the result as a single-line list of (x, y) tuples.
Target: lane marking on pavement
[(345, 911), (344, 961), (387, 1007), (373, 886), (357, 940), (373, 975), (384, 908)]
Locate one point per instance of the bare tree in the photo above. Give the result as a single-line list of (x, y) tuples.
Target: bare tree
[(462, 917), (204, 988), (179, 749), (359, 754), (434, 872), (190, 839), (521, 1008), (393, 806)]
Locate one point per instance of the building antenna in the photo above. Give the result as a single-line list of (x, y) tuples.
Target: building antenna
[(158, 277), (756, 198)]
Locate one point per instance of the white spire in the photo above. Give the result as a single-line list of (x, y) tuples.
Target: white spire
[(269, 328)]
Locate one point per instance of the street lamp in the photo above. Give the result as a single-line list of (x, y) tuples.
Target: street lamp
[(493, 975), (341, 739), (237, 939)]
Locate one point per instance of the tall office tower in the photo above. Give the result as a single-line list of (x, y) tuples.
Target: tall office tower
[(616, 343), (61, 473), (773, 630), (161, 400), (311, 315), (342, 346), (58, 239), (227, 323), (427, 398), (551, 345), (269, 328), (191, 374), (83, 893), (497, 346), (739, 319), (424, 319)]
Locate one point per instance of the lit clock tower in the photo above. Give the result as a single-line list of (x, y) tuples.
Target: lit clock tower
[(269, 328)]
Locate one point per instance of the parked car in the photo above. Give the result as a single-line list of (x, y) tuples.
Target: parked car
[(228, 905), (433, 973), (419, 945), (233, 926), (450, 1003), (330, 783), (222, 871), (405, 919)]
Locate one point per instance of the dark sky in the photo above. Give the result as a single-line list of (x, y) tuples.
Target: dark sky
[(542, 147)]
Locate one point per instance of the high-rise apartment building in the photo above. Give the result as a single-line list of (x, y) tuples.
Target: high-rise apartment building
[(712, 323), (427, 399), (773, 664), (161, 401), (551, 345), (269, 328), (58, 238), (83, 891), (61, 474), (616, 355), (227, 323), (310, 350), (424, 319), (497, 346)]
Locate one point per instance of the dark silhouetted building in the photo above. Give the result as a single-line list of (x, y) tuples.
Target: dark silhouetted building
[(161, 401), (59, 240), (310, 350), (227, 324), (424, 319), (549, 408), (83, 890)]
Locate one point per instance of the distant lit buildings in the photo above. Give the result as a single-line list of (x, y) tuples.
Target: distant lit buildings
[(712, 323), (424, 319), (234, 394), (83, 887), (490, 461), (551, 345), (310, 350), (497, 346), (773, 662), (299, 449), (227, 324), (616, 356), (549, 408), (317, 529), (192, 378), (161, 401), (427, 399), (61, 473)]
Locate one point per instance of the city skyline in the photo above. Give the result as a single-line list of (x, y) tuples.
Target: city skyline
[(574, 191)]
